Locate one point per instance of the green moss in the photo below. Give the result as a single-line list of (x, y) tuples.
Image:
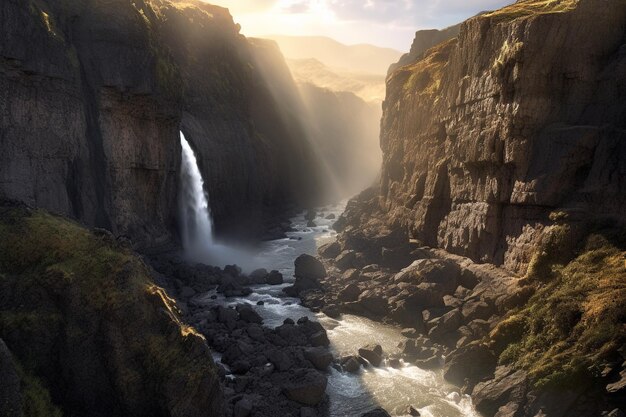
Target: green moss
[(36, 401)]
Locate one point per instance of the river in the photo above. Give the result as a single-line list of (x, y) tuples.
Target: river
[(350, 395)]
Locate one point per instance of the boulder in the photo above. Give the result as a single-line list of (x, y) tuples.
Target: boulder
[(473, 362), (446, 324), (373, 354), (345, 260), (281, 361), (436, 271), (319, 357), (476, 309), (258, 276), (331, 216), (329, 250), (248, 314), (350, 293), (309, 268), (350, 364), (319, 339), (274, 278), (306, 386), (332, 311), (407, 315)]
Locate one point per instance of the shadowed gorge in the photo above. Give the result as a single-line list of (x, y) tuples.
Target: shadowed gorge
[(198, 223)]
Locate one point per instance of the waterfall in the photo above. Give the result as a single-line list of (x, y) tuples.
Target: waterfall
[(196, 222)]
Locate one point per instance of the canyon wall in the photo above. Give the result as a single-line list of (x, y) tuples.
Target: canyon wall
[(93, 95), (484, 136)]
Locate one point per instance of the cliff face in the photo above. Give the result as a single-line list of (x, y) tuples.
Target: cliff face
[(93, 95), (424, 40), (521, 115)]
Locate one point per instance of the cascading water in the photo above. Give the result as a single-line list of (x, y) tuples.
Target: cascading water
[(196, 222)]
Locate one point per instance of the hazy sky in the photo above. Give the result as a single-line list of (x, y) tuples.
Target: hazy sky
[(389, 23)]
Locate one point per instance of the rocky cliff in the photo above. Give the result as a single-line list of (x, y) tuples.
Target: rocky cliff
[(423, 41), (521, 115), (94, 94), (87, 330)]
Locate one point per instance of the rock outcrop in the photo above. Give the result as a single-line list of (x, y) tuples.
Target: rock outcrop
[(93, 96), (92, 331), (519, 116)]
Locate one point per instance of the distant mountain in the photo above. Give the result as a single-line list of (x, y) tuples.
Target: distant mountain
[(369, 87), (362, 58)]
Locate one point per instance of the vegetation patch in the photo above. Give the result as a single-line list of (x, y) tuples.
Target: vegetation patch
[(576, 320), (61, 285), (528, 8)]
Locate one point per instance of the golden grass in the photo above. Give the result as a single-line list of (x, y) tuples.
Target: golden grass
[(527, 8), (574, 321)]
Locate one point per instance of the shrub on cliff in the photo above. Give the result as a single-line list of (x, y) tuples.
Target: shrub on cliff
[(575, 323), (82, 315)]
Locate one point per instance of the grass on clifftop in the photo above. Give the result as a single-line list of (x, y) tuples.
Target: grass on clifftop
[(525, 8), (575, 322), (61, 284)]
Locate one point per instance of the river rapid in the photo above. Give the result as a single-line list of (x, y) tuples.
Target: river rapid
[(350, 395)]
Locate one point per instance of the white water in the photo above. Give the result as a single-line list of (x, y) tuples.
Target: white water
[(196, 223), (350, 395)]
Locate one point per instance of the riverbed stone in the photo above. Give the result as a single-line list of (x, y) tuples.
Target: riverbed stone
[(373, 353), (306, 386)]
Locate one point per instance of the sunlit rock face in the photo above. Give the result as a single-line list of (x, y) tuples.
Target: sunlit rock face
[(522, 114), (92, 98)]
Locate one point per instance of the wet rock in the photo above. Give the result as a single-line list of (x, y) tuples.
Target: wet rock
[(332, 311), (329, 250), (248, 314), (311, 223), (411, 411), (331, 216), (320, 339), (350, 364), (274, 278), (373, 354), (306, 386), (395, 363), (377, 412), (258, 276), (429, 363), (319, 357), (309, 268), (310, 215)]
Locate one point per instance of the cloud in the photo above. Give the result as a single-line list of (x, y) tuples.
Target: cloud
[(381, 22), (246, 6)]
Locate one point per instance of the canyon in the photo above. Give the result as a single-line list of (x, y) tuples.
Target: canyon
[(490, 243)]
